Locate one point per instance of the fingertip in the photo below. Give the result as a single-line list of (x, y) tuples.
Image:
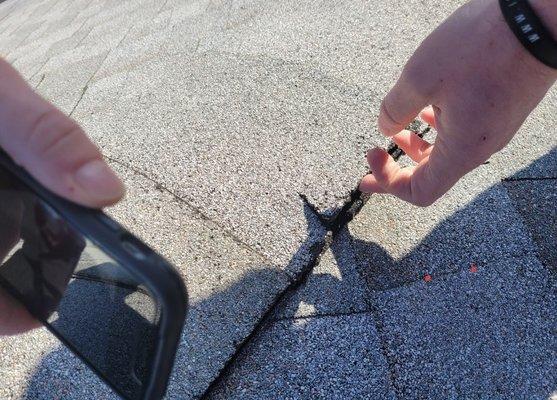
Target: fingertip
[(413, 145), (403, 102), (377, 158), (386, 124), (402, 139), (369, 185), (99, 186), (428, 115)]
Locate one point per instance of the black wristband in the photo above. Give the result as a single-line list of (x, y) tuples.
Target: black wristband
[(528, 28)]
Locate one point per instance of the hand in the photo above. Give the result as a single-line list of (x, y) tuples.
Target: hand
[(481, 84), (54, 149)]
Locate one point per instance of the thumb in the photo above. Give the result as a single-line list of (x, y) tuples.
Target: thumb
[(51, 146), (404, 101)]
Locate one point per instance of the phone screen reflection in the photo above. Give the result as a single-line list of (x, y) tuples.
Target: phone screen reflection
[(99, 309)]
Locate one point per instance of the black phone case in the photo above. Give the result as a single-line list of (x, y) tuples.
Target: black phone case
[(160, 278)]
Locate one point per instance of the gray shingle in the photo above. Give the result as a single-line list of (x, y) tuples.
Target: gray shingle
[(489, 334), (398, 243), (230, 288), (333, 287), (329, 357), (536, 201)]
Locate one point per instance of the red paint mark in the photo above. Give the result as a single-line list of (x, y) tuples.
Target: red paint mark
[(427, 278), (473, 268)]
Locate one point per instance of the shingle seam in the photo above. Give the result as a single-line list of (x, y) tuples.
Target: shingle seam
[(334, 225), (316, 251), (531, 178), (191, 208), (86, 86)]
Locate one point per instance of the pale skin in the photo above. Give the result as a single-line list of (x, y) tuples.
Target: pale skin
[(475, 83), (477, 77), (56, 151)]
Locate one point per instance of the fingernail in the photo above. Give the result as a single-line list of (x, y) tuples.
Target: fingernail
[(98, 180)]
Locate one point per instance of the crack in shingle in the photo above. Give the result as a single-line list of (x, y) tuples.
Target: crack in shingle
[(161, 187), (333, 225), (531, 178)]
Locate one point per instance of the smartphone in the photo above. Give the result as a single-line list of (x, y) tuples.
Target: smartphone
[(106, 295)]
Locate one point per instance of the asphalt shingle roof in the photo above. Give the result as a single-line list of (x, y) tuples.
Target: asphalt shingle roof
[(219, 115)]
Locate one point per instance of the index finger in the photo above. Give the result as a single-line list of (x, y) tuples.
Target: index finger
[(421, 185)]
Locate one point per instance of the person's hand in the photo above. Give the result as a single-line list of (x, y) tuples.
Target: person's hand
[(481, 84), (56, 151)]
